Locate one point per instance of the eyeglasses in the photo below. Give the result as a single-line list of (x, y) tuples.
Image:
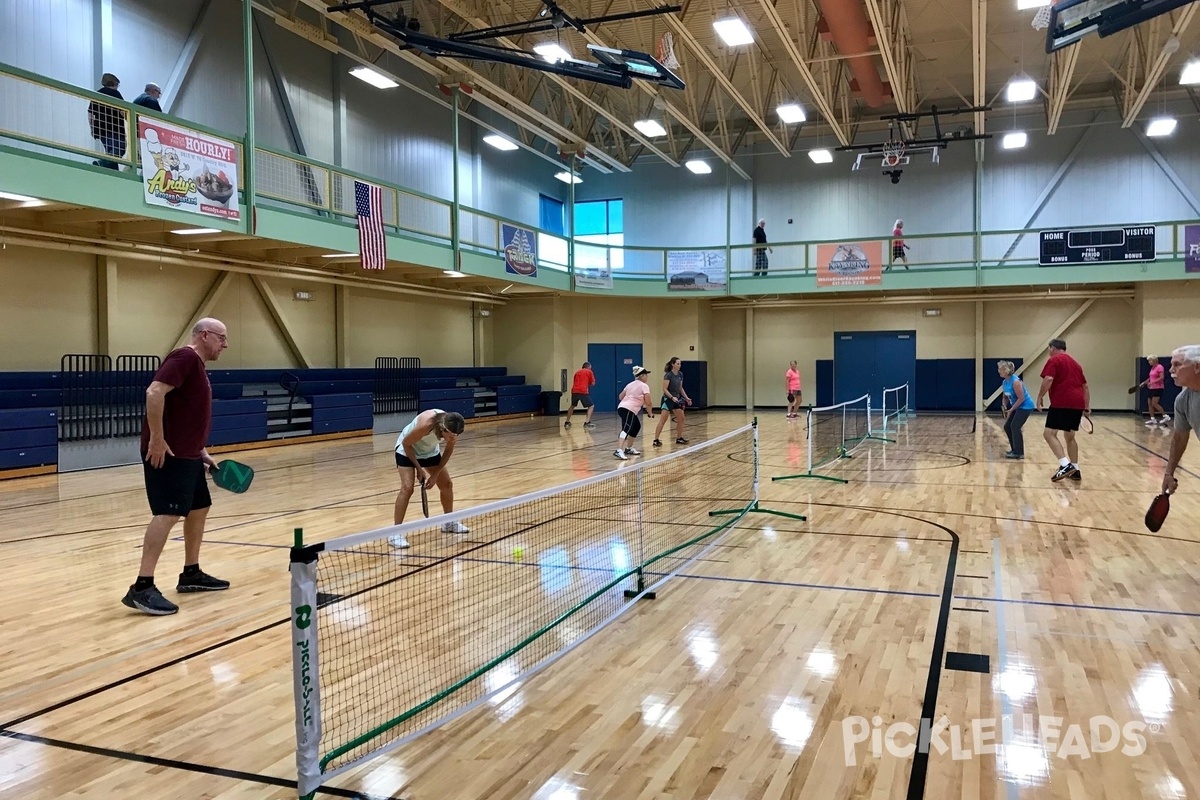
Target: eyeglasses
[(223, 337)]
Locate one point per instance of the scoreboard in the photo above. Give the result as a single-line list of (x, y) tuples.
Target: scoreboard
[(1097, 246)]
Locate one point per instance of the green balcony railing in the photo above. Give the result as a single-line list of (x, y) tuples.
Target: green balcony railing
[(50, 117)]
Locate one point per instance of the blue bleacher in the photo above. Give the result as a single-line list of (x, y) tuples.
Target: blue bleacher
[(28, 437), (336, 413)]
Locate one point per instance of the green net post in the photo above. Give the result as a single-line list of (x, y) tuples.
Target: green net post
[(641, 523)]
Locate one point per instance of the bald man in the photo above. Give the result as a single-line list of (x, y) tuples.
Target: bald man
[(174, 460)]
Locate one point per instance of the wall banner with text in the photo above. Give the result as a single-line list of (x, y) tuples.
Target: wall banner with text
[(850, 264)]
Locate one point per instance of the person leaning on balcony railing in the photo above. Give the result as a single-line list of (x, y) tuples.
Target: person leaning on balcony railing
[(108, 122)]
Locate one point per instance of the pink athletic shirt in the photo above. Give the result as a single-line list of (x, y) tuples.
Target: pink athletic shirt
[(635, 395), (1156, 377), (793, 380)]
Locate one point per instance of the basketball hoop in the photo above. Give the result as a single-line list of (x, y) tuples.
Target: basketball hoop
[(1041, 20), (666, 51), (893, 151)]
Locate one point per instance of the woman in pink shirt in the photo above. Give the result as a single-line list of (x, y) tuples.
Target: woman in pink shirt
[(792, 379), (898, 245), (1154, 391), (634, 397)]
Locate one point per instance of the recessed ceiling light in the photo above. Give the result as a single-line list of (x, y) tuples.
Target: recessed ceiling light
[(1021, 90), (733, 31), (552, 52), (1191, 72), (1161, 126), (791, 113), (449, 273), (820, 156), (499, 142), (567, 177), (650, 127), (340, 255), (1012, 141), (698, 167), (374, 78), (194, 231), (1023, 4), (20, 198)]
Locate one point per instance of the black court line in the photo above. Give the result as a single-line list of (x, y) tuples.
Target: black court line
[(980, 577), (171, 763), (964, 608), (1154, 453), (980, 552)]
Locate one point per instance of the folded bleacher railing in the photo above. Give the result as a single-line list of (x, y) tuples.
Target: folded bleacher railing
[(101, 400), (397, 384)]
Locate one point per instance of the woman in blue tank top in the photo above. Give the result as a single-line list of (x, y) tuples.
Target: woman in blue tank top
[(1018, 405)]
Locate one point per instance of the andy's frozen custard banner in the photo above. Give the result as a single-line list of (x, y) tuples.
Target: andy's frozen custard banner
[(188, 171)]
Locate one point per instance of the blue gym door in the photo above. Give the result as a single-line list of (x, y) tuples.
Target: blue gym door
[(613, 365), (866, 362)]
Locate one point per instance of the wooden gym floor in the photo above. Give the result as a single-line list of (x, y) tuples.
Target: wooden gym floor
[(742, 680)]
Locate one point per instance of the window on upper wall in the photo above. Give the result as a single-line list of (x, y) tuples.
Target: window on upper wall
[(551, 215), (600, 222)]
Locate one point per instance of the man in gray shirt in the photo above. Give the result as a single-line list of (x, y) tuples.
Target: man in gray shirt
[(1185, 370)]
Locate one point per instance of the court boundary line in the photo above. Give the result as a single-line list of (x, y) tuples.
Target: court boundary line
[(187, 766)]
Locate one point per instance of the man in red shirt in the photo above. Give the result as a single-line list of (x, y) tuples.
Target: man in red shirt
[(174, 459), (1070, 400), (581, 392)]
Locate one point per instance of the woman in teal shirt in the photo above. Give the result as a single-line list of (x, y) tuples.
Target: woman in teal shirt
[(1018, 406)]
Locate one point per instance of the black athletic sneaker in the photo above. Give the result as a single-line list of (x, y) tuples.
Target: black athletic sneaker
[(589, 424), (1065, 472), (1076, 475), (200, 582), (149, 601), (567, 424), (657, 443), (681, 440)]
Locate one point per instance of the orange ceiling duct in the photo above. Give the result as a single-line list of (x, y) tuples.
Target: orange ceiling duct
[(851, 32)]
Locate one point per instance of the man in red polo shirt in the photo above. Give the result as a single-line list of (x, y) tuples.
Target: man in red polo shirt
[(174, 460), (581, 392), (1070, 400)]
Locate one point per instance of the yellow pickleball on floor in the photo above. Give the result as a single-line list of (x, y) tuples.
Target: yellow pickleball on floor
[(518, 553)]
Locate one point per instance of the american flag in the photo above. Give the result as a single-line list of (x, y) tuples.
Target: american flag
[(368, 207)]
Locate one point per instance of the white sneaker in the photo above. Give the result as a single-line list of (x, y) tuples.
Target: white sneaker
[(1166, 418), (398, 541), (1150, 423), (455, 527), (621, 455), (632, 452)]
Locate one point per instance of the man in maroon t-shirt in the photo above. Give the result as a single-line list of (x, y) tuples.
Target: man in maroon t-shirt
[(1070, 400), (581, 392), (174, 459)]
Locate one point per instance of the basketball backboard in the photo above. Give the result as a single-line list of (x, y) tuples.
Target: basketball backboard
[(639, 65), (1071, 20)]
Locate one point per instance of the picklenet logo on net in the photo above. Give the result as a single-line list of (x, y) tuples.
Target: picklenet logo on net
[(1054, 735)]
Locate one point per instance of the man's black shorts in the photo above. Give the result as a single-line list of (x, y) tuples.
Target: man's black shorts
[(1064, 419), (427, 463), (585, 399), (177, 488)]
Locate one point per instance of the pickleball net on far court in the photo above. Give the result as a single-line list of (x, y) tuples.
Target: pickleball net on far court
[(388, 644)]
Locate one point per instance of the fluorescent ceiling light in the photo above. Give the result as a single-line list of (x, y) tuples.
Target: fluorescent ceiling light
[(1023, 4), (20, 198), (194, 231), (1191, 72), (374, 78), (820, 156), (733, 31), (499, 142), (340, 255), (449, 273), (698, 167), (1012, 141), (791, 113), (1161, 126), (650, 127), (1021, 90), (552, 52), (567, 177)]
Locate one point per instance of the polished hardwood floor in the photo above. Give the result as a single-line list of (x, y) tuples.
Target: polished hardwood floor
[(795, 664)]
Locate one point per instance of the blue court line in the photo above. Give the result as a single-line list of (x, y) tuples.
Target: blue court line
[(794, 585), (1080, 606)]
